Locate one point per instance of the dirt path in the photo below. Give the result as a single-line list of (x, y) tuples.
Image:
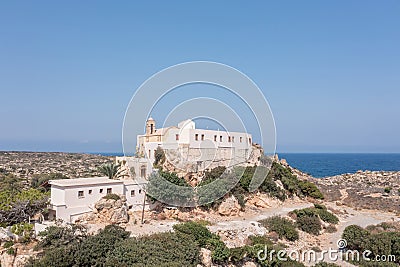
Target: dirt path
[(362, 218)]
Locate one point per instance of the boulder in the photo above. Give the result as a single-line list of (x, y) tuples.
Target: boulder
[(229, 207), (108, 211), (205, 257)]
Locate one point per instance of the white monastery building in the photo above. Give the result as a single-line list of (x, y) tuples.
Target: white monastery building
[(188, 149), (184, 144)]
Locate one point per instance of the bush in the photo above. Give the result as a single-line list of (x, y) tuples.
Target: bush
[(325, 215), (260, 239), (11, 251), (162, 187), (159, 156), (309, 224), (238, 254), (23, 229), (194, 230), (220, 252), (282, 226), (355, 236), (163, 249), (8, 244), (112, 196), (387, 189), (310, 189), (331, 229), (54, 236)]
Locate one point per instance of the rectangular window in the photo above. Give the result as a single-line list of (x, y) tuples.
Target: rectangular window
[(233, 139), (177, 137), (202, 137), (101, 190), (220, 138), (140, 191), (250, 140), (109, 190), (229, 139), (241, 139), (90, 191), (215, 138), (196, 137), (132, 193), (80, 194)]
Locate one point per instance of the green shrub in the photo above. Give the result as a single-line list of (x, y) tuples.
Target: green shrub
[(11, 251), (220, 253), (195, 230), (260, 239), (159, 156), (309, 224), (163, 249), (282, 226), (320, 211), (355, 236), (8, 244), (310, 189), (387, 189), (325, 215), (112, 196), (238, 254), (331, 229)]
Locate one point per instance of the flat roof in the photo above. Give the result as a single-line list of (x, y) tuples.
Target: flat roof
[(137, 180), (84, 181)]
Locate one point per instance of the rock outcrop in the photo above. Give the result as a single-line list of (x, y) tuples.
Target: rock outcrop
[(109, 211), (229, 207)]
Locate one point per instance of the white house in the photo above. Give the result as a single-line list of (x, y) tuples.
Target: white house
[(70, 198)]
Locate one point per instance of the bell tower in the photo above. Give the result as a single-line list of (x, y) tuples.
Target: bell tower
[(150, 126)]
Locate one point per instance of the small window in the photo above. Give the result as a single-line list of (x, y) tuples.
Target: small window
[(177, 137), (140, 191), (80, 194), (202, 137), (196, 137), (101, 190), (132, 193), (90, 191), (241, 139), (215, 138), (233, 139), (229, 139), (250, 140), (109, 190), (220, 138), (149, 153)]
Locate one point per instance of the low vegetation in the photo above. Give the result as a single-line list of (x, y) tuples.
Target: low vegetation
[(382, 239), (309, 219), (282, 226), (112, 196), (112, 246)]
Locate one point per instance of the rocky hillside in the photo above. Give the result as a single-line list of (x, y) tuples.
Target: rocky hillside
[(27, 164), (378, 190)]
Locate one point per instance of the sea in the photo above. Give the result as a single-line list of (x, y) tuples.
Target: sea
[(330, 164)]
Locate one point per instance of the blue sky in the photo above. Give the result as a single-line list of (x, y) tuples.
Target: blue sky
[(329, 69)]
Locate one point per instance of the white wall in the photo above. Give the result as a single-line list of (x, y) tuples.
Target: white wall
[(57, 195), (68, 205), (71, 193), (137, 200)]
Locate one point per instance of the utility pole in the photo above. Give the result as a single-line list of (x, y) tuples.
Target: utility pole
[(144, 203)]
